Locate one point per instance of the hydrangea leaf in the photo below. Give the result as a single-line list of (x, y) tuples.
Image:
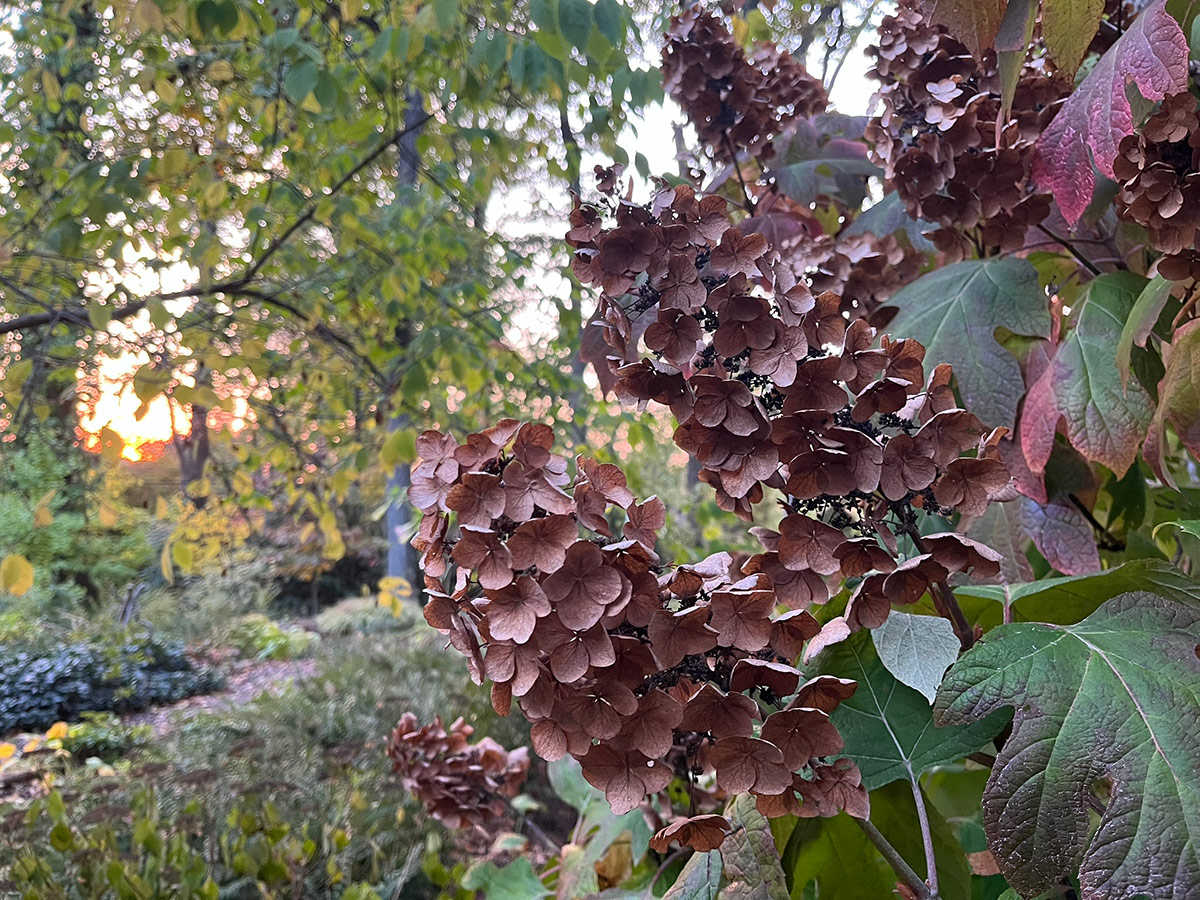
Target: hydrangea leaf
[(1068, 27), (916, 649), (974, 22), (835, 857), (887, 727), (750, 857), (1153, 54), (1114, 697), (1106, 418), (1178, 399), (955, 312), (700, 878), (1072, 598)]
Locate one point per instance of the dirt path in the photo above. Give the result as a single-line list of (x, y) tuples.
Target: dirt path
[(244, 684)]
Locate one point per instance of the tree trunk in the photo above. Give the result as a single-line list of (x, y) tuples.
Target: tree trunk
[(193, 450), (401, 560)]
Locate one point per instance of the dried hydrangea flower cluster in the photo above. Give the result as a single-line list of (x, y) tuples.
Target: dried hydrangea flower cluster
[(1159, 173), (863, 269), (641, 670), (459, 783), (773, 388), (736, 103), (937, 136)]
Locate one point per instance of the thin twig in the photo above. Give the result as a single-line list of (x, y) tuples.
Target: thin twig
[(738, 169), (943, 597), (1070, 248), (894, 859)]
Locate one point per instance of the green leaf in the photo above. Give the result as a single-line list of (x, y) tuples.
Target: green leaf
[(1068, 27), (575, 21), (750, 857), (1105, 419), (446, 12), (1141, 321), (611, 21), (700, 878), (835, 856), (1178, 400), (1115, 696), (516, 881), (888, 728), (1012, 47), (1187, 526), (1070, 599), (300, 81), (956, 311), (597, 823), (916, 649), (974, 22)]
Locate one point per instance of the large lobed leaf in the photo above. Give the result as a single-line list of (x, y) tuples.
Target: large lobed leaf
[(1153, 54), (1114, 696), (955, 312), (1105, 417)]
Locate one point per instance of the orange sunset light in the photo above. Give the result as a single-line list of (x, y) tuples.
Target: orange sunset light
[(111, 402)]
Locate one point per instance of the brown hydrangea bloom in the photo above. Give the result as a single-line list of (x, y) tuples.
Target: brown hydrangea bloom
[(1159, 174), (552, 585), (594, 639), (459, 783), (736, 103), (782, 392), (941, 140)]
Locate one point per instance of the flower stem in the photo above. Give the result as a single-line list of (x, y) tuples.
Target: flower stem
[(895, 860)]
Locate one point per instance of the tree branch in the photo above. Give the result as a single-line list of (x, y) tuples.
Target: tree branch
[(79, 316), (895, 860)]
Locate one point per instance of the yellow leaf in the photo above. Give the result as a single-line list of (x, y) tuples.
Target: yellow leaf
[(147, 16), (161, 509), (16, 575), (164, 562), (7, 750), (50, 86), (220, 70), (181, 553), (107, 516), (31, 745), (57, 731), (42, 517)]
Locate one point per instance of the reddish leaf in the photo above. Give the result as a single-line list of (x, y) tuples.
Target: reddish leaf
[(742, 618), (1153, 53), (779, 678), (825, 692), (584, 585)]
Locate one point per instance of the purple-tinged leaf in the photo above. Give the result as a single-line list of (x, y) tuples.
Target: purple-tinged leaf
[(1153, 54), (1112, 697), (1105, 419)]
